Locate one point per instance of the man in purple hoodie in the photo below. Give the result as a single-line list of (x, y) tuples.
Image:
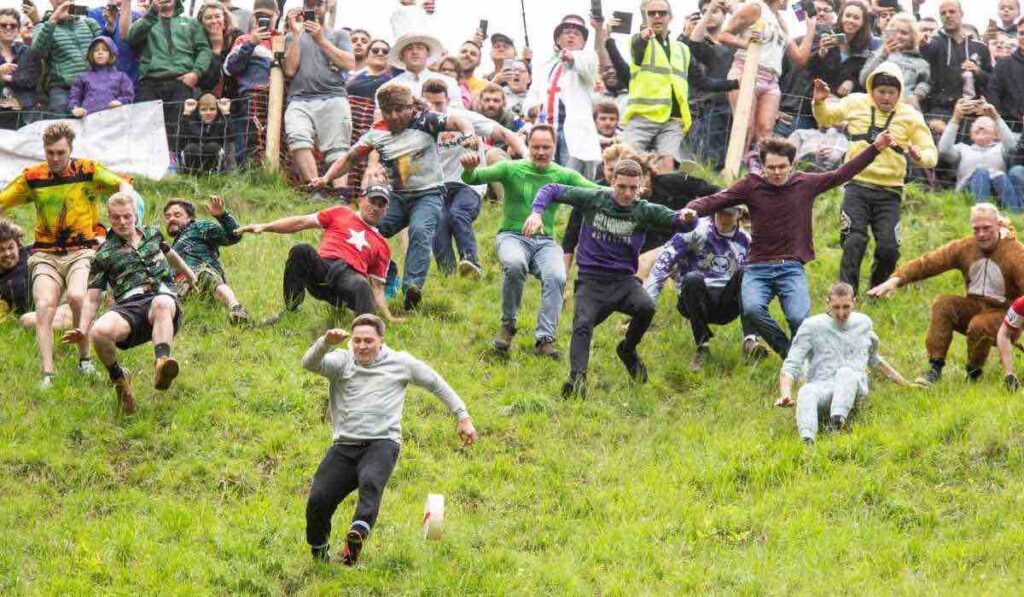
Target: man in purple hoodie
[(102, 87), (615, 225)]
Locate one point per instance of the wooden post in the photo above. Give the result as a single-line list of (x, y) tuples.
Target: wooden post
[(741, 115), (275, 106)]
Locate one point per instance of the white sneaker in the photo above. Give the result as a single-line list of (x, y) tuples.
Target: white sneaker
[(468, 269), (87, 368), (46, 383)]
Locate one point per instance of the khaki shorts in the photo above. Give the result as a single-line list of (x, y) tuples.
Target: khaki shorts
[(665, 139), (60, 267), (208, 280)]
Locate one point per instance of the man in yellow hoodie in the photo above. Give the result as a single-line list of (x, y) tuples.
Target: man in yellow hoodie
[(873, 198)]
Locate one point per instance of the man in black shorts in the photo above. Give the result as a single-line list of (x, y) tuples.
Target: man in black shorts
[(136, 263)]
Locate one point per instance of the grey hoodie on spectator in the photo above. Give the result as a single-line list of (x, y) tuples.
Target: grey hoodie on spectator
[(968, 158), (367, 400), (916, 71)]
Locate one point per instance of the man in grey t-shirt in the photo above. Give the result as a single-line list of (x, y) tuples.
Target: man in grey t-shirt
[(318, 111)]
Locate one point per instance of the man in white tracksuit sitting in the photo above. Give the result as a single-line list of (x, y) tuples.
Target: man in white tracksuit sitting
[(837, 347)]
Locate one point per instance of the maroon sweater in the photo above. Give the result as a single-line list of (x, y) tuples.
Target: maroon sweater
[(781, 216)]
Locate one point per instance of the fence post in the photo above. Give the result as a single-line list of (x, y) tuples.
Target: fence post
[(275, 106), (744, 106)]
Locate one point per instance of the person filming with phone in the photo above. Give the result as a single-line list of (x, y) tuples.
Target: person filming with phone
[(842, 53), (981, 165)]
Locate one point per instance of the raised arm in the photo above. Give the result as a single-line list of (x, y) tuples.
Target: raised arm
[(287, 225), (321, 358), (800, 54)]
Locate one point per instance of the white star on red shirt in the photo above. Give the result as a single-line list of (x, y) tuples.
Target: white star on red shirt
[(357, 238)]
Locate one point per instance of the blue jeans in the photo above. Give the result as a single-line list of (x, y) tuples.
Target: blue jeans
[(461, 207), (764, 281), (542, 257), (981, 184), (710, 134), (59, 100), (800, 122), (421, 214)]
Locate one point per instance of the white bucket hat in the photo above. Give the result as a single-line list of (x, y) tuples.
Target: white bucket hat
[(434, 45)]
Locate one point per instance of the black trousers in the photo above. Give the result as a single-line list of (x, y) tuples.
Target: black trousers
[(878, 209), (330, 280), (173, 93), (704, 305), (345, 468), (597, 296), (200, 158)]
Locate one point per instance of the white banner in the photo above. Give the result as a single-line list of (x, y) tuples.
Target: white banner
[(129, 140)]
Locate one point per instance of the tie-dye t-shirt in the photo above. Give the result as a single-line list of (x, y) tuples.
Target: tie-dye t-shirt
[(67, 206), (411, 156)]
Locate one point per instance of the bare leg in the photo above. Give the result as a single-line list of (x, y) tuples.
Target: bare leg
[(666, 163), (45, 293), (78, 283), (106, 333), (646, 263), (224, 294), (767, 113), (161, 317), (305, 163)]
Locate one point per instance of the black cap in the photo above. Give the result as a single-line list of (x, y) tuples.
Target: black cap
[(502, 38), (378, 190)]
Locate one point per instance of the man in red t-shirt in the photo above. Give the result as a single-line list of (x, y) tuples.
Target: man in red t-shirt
[(350, 266), (1009, 334)]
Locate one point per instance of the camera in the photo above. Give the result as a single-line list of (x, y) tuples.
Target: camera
[(263, 22)]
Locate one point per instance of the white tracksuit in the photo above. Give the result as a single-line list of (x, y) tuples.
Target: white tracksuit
[(837, 359)]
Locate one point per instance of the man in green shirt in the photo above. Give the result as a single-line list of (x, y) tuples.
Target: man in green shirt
[(198, 242), (136, 264), (519, 254)]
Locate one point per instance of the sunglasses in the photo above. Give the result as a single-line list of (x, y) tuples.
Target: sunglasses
[(657, 13), (8, 26), (380, 51)]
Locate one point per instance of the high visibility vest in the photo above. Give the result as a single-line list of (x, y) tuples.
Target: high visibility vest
[(652, 84)]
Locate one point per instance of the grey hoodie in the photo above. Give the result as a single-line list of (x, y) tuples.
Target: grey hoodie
[(916, 71), (367, 400)]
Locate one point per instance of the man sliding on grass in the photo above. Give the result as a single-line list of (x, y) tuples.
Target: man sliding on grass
[(615, 224), (838, 347), (368, 384), (136, 263)]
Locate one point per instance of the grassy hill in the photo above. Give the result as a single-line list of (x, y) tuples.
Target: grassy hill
[(693, 483)]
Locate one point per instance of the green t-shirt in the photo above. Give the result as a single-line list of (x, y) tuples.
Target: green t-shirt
[(522, 181)]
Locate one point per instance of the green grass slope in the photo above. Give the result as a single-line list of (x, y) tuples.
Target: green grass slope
[(693, 483)]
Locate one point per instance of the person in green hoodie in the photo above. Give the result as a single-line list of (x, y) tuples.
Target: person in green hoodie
[(174, 53), (61, 40)]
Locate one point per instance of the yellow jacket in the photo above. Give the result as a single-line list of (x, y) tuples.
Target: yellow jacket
[(907, 125)]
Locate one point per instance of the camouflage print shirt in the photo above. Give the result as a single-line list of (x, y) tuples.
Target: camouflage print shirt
[(133, 272), (199, 242)]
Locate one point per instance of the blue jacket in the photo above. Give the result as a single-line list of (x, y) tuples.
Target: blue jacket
[(249, 62)]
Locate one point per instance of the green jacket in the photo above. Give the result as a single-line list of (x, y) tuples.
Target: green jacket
[(170, 47), (64, 47)]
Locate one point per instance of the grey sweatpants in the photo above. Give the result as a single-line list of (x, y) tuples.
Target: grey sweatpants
[(828, 398)]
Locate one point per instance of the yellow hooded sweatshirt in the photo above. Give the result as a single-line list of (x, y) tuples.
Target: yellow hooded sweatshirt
[(907, 126)]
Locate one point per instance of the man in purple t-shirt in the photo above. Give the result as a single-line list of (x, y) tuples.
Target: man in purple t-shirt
[(615, 225), (782, 239)]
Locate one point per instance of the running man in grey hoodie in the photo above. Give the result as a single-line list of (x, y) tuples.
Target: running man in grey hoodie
[(367, 395)]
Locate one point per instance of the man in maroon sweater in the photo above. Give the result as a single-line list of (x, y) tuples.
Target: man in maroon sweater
[(782, 240)]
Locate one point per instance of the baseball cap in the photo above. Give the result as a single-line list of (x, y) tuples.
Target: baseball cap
[(502, 38), (378, 190)]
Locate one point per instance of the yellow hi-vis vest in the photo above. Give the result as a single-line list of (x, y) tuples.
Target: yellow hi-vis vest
[(652, 84)]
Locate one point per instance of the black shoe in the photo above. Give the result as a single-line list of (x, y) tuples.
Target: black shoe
[(636, 368), (973, 373), (1011, 382), (930, 377), (322, 555), (700, 357), (413, 296), (576, 385), (353, 545), (838, 423)]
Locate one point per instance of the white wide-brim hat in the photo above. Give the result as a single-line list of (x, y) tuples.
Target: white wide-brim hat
[(434, 44)]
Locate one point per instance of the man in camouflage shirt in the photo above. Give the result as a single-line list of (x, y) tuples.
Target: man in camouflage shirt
[(136, 264), (198, 242)]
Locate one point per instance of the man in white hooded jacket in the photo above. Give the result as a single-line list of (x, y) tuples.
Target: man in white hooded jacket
[(367, 396)]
